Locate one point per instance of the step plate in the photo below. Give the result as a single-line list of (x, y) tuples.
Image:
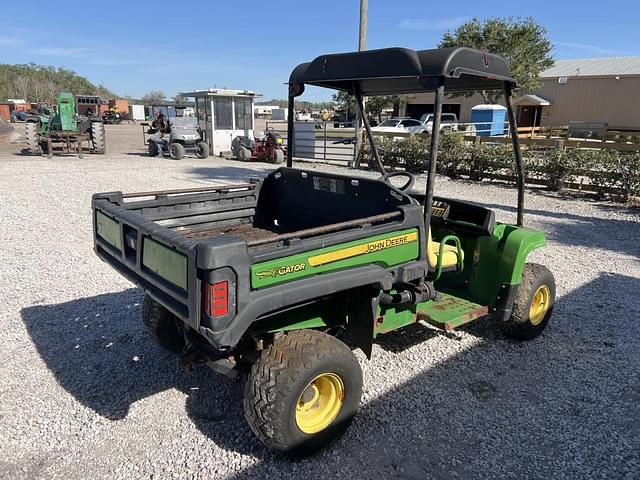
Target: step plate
[(449, 312)]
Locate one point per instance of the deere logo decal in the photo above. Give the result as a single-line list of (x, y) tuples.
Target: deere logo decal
[(363, 249), (284, 270)]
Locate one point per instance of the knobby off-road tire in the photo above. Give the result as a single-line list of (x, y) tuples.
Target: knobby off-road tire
[(98, 137), (176, 151), (32, 137), (163, 327), (284, 378), (533, 304), (202, 150)]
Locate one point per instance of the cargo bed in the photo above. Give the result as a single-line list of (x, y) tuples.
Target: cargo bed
[(170, 242)]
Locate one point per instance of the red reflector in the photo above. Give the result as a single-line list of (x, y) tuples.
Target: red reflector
[(219, 298)]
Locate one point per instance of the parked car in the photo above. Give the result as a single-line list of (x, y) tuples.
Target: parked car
[(449, 122), (399, 125)]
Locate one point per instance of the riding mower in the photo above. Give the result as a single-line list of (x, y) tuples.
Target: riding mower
[(277, 280), (265, 149), (184, 134)]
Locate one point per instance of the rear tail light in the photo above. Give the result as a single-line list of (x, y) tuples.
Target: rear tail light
[(216, 302)]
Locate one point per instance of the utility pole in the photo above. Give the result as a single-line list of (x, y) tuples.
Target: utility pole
[(362, 45)]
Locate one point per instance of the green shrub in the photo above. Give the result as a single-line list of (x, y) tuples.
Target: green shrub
[(607, 170), (616, 170)]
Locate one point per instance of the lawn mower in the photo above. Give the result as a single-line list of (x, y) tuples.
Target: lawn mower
[(265, 149), (277, 280)]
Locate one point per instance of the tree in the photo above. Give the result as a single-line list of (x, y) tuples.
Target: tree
[(22, 87), (345, 102), (522, 42), (154, 97), (375, 105)]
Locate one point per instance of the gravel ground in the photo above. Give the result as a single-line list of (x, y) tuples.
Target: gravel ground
[(85, 394)]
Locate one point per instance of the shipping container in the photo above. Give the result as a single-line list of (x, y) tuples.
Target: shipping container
[(5, 111)]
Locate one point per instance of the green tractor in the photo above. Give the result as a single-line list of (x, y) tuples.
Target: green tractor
[(65, 128), (278, 280)]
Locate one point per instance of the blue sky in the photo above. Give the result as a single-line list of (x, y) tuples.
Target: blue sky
[(133, 47)]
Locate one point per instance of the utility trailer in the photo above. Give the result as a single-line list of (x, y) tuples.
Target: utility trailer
[(279, 279)]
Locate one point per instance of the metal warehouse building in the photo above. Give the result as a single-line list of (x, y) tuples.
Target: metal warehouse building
[(598, 90)]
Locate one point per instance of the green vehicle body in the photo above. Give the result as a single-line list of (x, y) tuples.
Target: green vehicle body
[(493, 267), (62, 120), (284, 276)]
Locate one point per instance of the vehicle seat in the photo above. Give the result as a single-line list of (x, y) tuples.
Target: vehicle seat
[(450, 261)]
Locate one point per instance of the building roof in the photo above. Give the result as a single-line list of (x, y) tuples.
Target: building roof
[(531, 100), (594, 67), (221, 92)]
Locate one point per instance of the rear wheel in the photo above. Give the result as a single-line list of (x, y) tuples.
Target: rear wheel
[(98, 137), (32, 137), (533, 304), (202, 150), (153, 149), (278, 156), (163, 326), (303, 392), (176, 150), (244, 153)]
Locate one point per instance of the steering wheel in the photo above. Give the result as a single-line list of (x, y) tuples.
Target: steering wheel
[(411, 179)]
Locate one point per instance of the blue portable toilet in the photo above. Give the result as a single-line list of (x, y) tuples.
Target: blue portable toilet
[(489, 120)]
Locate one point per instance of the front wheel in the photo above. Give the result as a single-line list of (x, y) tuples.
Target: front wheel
[(303, 392), (533, 304), (176, 150)]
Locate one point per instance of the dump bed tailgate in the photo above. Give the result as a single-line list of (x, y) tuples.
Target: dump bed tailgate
[(157, 259)]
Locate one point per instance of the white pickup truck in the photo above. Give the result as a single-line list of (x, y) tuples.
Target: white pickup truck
[(449, 122)]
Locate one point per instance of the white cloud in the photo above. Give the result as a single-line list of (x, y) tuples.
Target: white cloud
[(583, 47), (428, 24)]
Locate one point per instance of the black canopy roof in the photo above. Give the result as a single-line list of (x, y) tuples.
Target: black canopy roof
[(391, 71)]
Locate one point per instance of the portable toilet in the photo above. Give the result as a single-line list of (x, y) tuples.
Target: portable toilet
[(223, 114), (489, 120)]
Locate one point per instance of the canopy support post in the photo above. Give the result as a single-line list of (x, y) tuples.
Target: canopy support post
[(516, 152), (367, 127), (433, 154), (290, 139)]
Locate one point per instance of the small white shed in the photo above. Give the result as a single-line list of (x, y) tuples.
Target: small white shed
[(136, 112), (223, 114)]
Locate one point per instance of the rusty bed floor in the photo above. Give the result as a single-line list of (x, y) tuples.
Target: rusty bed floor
[(245, 231)]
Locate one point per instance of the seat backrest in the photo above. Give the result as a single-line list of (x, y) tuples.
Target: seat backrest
[(432, 257)]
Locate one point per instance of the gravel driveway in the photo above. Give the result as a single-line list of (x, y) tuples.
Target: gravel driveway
[(85, 394)]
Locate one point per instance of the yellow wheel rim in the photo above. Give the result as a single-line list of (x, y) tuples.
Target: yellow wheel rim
[(540, 304), (319, 403)]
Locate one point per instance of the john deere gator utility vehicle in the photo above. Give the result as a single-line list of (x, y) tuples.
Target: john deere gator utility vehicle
[(281, 278)]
